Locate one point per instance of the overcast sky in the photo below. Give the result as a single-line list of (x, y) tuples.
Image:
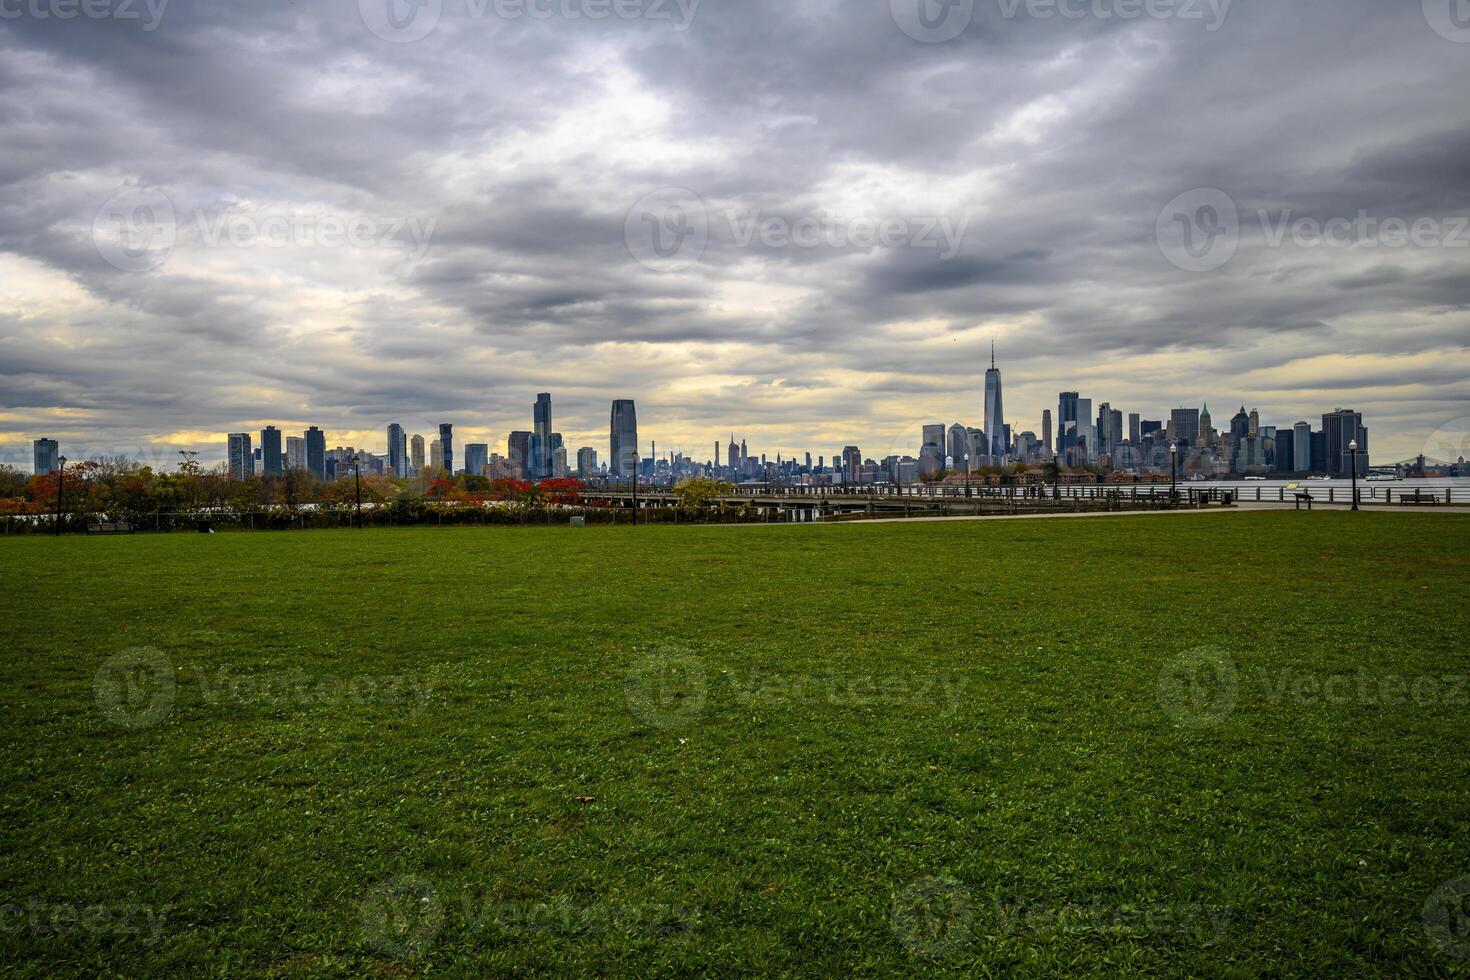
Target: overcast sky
[(801, 221)]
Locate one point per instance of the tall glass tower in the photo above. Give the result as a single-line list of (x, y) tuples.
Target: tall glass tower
[(541, 448), (623, 439), (994, 412)]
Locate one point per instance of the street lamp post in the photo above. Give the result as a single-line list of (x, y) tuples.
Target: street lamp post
[(60, 494), (1353, 452), (357, 481), (1174, 473), (635, 488)]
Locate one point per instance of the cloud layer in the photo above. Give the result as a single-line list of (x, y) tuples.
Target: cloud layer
[(308, 214)]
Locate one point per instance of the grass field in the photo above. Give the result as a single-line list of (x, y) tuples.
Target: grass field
[(1231, 744)]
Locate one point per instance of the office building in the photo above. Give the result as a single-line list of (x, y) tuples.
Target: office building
[(518, 450), (45, 456), (476, 458), (1301, 445), (1066, 424), (446, 447), (623, 440), (295, 453), (541, 447), (995, 413), (1339, 429), (436, 458), (316, 453), (416, 455), (397, 450), (270, 451), (240, 456), (586, 462)]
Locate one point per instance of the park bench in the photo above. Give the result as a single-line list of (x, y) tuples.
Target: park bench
[(1418, 497), (110, 528), (1304, 497)]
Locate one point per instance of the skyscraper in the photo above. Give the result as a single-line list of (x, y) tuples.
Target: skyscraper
[(1185, 423), (1301, 447), (45, 456), (1135, 429), (270, 451), (476, 458), (436, 458), (994, 412), (1340, 428), (623, 439), (316, 453), (852, 464), (446, 446), (1066, 425), (295, 453), (541, 448), (397, 450), (416, 457), (586, 462), (518, 448), (241, 456), (1048, 448)]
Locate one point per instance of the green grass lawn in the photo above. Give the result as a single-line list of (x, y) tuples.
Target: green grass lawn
[(1230, 744)]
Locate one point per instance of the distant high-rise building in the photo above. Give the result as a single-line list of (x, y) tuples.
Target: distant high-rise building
[(270, 451), (518, 449), (436, 457), (416, 455), (295, 453), (623, 439), (734, 458), (1067, 424), (1301, 447), (1048, 448), (1135, 429), (541, 448), (45, 456), (959, 447), (1086, 442), (241, 456), (586, 462), (1185, 425), (476, 458), (316, 453), (852, 464), (995, 412), (397, 450), (1340, 428), (446, 446), (1285, 449)]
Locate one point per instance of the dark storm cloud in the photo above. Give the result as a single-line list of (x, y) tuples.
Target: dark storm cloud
[(524, 144)]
